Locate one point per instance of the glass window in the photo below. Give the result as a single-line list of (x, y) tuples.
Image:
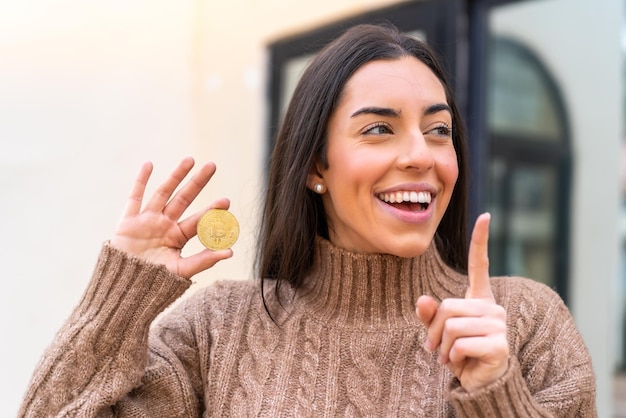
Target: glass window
[(520, 102), (292, 70), (523, 232), (528, 163)]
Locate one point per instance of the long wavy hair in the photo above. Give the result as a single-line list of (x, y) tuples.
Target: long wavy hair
[(293, 215)]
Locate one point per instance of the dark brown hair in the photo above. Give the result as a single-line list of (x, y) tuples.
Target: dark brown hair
[(293, 215)]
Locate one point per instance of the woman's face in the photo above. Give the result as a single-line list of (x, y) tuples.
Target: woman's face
[(392, 166)]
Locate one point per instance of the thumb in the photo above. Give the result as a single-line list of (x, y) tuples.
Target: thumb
[(478, 260), (426, 309)]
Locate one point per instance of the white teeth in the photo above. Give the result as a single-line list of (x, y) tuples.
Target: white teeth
[(399, 197)]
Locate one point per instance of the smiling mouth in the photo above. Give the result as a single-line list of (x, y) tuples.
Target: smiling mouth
[(407, 200)]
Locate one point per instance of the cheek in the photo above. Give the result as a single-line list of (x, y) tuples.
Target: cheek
[(448, 167), (454, 172), (352, 167)]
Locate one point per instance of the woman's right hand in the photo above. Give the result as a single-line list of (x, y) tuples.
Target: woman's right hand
[(155, 233)]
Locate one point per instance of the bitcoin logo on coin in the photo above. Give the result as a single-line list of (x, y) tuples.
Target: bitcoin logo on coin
[(218, 229)]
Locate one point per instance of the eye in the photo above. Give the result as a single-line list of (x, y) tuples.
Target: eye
[(441, 130), (378, 128)]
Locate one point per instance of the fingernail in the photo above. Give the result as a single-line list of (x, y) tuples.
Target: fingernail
[(428, 346)]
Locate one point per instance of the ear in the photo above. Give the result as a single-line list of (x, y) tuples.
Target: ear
[(314, 177)]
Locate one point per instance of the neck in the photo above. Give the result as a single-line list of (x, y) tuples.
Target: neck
[(375, 290)]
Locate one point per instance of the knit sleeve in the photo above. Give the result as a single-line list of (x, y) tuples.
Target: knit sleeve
[(99, 360), (550, 372)]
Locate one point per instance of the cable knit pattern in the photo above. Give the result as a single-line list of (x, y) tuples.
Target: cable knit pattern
[(348, 343), (309, 366), (254, 368), (364, 387)]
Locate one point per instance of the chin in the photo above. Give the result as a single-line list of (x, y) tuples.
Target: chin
[(409, 251)]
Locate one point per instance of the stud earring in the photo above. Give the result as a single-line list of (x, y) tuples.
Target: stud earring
[(319, 188)]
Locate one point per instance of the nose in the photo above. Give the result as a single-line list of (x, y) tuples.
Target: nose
[(415, 153)]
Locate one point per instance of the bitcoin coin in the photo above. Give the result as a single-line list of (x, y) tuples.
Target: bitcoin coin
[(218, 229)]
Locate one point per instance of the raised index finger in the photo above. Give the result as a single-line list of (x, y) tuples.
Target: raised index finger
[(478, 260)]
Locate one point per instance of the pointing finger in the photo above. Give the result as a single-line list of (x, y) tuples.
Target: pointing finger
[(426, 309), (478, 260)]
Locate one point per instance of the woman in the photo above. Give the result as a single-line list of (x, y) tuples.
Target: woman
[(364, 307)]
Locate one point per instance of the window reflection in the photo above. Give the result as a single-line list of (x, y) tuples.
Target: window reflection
[(523, 234), (521, 104)]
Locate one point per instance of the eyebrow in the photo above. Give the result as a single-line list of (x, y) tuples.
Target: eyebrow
[(380, 111), (436, 108), (386, 111)]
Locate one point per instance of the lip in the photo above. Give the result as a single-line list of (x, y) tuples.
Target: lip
[(405, 215)]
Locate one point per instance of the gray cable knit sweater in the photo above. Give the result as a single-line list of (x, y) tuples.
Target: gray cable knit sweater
[(348, 344)]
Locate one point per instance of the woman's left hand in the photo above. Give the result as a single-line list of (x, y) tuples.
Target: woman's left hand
[(470, 333)]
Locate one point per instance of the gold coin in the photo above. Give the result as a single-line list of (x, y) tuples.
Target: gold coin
[(218, 229)]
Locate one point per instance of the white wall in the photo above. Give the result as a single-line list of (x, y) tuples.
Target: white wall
[(90, 90)]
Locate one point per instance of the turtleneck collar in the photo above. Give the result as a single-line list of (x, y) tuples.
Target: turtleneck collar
[(374, 290)]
